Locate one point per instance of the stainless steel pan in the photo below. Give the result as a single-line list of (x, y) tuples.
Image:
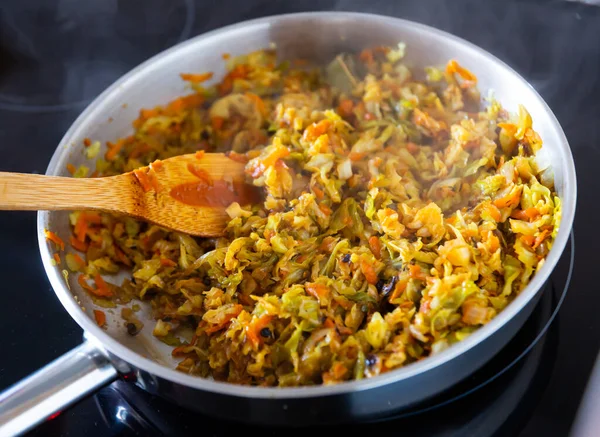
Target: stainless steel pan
[(109, 354)]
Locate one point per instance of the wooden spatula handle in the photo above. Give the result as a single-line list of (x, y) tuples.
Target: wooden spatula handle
[(29, 192)]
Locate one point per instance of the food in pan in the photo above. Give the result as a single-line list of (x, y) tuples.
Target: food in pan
[(400, 215)]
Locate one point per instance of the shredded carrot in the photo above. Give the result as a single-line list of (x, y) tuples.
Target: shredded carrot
[(166, 262), (87, 142), (375, 246), (181, 104), (51, 236), (102, 288), (412, 148), (318, 192), (540, 238), (237, 310), (510, 128), (56, 257), (339, 370), (320, 291), (325, 209), (143, 179), (225, 56), (254, 328), (239, 72), (315, 130), (512, 198), (469, 78), (71, 168), (529, 214), (113, 150), (100, 318), (78, 245), (122, 257), (369, 272), (200, 154), (528, 240), (400, 287), (356, 156), (493, 211), (415, 272), (79, 260), (196, 78), (81, 228), (276, 155), (328, 244), (83, 283)]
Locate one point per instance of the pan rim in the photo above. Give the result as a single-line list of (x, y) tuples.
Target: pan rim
[(120, 351)]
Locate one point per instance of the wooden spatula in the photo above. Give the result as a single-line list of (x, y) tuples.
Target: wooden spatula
[(187, 193)]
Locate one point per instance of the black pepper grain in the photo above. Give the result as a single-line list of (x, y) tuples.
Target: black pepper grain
[(371, 360), (266, 333), (346, 258), (131, 328)]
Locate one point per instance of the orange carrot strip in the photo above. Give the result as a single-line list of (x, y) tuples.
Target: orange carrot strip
[(529, 214), (318, 192), (415, 272), (51, 236), (114, 150), (237, 310), (317, 290), (71, 168), (200, 154), (254, 328), (540, 238), (325, 209), (81, 280), (102, 288), (166, 262), (454, 67), (528, 240), (78, 245), (79, 260), (100, 318), (315, 130), (87, 142), (56, 257), (375, 246), (196, 78), (369, 272), (122, 257)]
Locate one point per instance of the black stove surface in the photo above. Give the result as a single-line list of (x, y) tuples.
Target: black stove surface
[(57, 55)]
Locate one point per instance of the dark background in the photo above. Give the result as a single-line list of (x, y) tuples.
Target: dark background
[(57, 55)]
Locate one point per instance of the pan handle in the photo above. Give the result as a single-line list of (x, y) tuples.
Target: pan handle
[(53, 388)]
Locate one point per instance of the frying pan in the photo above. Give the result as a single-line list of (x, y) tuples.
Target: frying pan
[(106, 355)]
